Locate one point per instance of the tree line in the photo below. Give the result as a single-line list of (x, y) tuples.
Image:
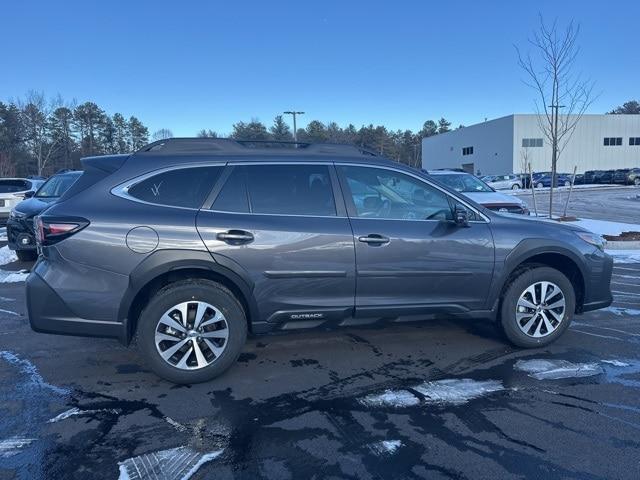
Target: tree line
[(39, 136), (400, 145)]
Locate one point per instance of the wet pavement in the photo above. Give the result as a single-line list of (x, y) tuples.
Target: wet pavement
[(439, 399)]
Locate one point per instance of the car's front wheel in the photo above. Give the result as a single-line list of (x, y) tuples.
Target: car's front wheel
[(540, 185), (192, 331), (537, 307), (515, 186)]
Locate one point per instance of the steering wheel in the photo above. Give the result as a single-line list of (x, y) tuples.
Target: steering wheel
[(444, 211)]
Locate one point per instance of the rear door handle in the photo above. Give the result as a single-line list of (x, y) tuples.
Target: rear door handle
[(235, 237), (374, 239)]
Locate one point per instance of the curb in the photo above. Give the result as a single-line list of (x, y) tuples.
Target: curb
[(631, 245)]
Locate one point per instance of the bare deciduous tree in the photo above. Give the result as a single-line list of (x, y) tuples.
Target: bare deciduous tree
[(563, 94), (162, 134), (36, 115)]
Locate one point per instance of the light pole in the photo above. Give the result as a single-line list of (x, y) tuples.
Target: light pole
[(293, 113)]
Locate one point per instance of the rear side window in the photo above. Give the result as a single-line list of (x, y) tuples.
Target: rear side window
[(278, 190), (182, 187), (10, 186)]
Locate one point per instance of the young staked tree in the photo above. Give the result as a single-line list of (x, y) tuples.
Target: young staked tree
[(563, 95)]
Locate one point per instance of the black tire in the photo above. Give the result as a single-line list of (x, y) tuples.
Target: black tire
[(188, 290), (26, 255), (540, 185), (510, 298), (515, 186)]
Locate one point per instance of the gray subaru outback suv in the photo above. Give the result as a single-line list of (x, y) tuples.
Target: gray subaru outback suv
[(189, 244)]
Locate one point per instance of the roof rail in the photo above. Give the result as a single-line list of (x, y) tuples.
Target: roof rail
[(210, 144)]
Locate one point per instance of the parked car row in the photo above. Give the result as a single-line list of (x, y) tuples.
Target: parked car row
[(24, 205), (622, 176)]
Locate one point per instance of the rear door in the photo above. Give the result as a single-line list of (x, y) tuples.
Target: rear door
[(410, 255), (285, 226)]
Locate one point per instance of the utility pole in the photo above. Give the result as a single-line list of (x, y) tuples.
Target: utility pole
[(554, 152), (293, 113)]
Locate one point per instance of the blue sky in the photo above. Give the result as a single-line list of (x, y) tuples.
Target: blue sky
[(187, 65)]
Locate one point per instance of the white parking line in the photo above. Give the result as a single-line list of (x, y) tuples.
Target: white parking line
[(628, 284), (626, 294)]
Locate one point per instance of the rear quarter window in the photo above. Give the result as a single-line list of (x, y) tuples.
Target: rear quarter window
[(181, 187)]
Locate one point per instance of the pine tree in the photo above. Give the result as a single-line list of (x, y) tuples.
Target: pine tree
[(429, 129), (254, 130), (316, 132), (121, 133), (138, 134), (280, 131), (89, 118), (444, 125)]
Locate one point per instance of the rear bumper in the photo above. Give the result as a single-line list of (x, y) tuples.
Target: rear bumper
[(49, 314)]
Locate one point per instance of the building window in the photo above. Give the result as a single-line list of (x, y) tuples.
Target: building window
[(531, 142), (634, 141), (467, 151), (612, 141)]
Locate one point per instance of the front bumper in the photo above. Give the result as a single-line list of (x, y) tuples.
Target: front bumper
[(598, 285), (49, 314), (20, 234)]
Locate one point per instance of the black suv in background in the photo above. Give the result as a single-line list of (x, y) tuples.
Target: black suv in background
[(20, 232), (189, 244)]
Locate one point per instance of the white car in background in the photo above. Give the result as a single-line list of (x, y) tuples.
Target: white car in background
[(503, 182), (13, 191), (478, 191)]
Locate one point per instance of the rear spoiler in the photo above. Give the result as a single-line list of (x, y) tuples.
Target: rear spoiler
[(106, 163)]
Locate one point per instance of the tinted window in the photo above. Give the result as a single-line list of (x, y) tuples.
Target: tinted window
[(233, 196), (382, 193), (10, 186), (183, 187), (290, 189)]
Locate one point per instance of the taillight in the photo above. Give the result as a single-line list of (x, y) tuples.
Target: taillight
[(50, 230)]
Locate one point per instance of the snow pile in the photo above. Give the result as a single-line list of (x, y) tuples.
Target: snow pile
[(75, 411), (176, 463), (603, 227), (7, 256), (620, 312), (556, 369), (457, 391)]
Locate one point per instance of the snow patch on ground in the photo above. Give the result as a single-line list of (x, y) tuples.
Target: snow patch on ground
[(391, 398), (625, 256), (2, 310), (7, 256), (616, 363), (620, 312), (386, 447), (30, 370), (74, 412), (12, 446), (450, 391), (13, 277), (457, 391), (3, 234), (555, 369), (605, 227), (176, 464)]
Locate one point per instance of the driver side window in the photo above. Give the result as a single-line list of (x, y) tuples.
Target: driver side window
[(388, 194)]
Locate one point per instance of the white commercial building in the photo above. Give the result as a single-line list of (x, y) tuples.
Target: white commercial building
[(505, 145)]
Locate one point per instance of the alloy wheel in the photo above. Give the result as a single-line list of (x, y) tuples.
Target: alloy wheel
[(191, 335), (540, 309)]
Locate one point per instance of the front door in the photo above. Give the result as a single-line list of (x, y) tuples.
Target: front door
[(410, 255), (283, 228)]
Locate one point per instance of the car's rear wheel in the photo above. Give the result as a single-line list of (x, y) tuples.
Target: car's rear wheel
[(636, 181), (26, 255), (515, 186), (540, 185), (537, 307), (192, 331), (567, 183)]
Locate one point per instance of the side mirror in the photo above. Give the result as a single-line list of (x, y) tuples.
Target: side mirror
[(461, 216), (29, 194)]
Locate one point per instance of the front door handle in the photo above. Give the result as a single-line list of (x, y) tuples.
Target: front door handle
[(374, 239), (235, 237)]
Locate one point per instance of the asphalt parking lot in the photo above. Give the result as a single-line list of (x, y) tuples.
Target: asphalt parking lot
[(438, 399), (616, 204)]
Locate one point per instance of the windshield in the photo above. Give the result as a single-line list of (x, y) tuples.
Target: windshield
[(57, 185), (463, 183)]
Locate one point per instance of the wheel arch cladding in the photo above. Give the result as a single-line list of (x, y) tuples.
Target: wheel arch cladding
[(168, 266), (558, 260)]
